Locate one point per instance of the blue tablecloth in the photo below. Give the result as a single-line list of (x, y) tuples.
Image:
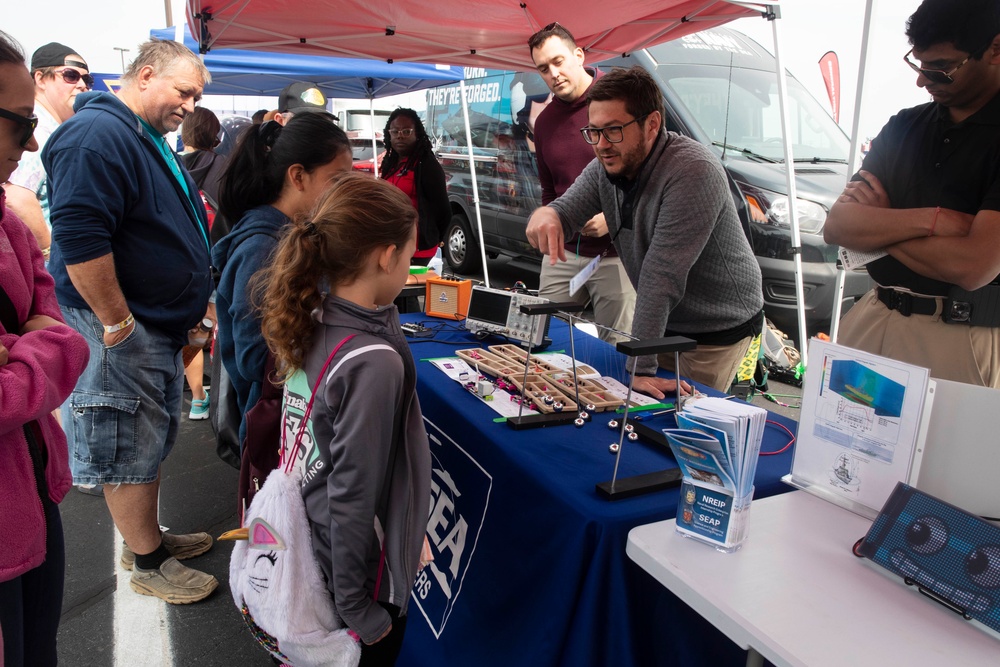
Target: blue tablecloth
[(530, 565)]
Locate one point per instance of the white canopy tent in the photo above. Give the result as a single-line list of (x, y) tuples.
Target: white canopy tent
[(481, 33)]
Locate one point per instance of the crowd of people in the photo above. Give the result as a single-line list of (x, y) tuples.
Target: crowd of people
[(309, 257), (96, 336)]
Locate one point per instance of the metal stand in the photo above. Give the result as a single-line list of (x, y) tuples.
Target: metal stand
[(539, 420), (632, 486)]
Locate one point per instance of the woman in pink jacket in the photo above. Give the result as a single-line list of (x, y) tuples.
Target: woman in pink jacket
[(40, 361)]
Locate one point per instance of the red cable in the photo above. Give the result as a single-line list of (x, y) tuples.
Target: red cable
[(785, 448)]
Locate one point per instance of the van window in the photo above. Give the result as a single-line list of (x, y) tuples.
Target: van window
[(752, 118)]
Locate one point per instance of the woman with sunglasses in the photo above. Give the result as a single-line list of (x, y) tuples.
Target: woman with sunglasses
[(410, 165), (60, 74), (40, 361)]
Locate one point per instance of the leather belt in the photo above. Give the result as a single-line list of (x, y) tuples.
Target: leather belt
[(907, 304)]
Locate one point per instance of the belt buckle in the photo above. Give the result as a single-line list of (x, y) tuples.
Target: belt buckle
[(901, 302)]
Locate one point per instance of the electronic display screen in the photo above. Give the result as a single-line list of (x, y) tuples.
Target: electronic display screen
[(488, 306)]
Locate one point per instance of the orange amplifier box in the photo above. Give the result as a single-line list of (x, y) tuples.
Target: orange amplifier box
[(447, 298)]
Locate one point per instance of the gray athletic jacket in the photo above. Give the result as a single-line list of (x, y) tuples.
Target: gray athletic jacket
[(687, 256), (367, 465)]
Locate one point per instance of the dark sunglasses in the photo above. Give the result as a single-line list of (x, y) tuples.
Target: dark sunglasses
[(935, 75), (72, 77), (29, 123)]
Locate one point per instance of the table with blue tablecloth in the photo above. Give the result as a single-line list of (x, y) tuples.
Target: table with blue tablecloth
[(530, 565)]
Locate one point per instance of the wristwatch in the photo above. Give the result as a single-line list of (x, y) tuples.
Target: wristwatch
[(124, 324)]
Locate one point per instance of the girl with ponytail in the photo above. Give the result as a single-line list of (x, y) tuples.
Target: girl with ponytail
[(275, 175), (326, 302)]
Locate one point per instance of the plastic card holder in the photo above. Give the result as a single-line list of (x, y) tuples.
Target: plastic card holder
[(712, 516)]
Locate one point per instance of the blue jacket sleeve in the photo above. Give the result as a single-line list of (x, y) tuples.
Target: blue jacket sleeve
[(250, 256), (85, 211)]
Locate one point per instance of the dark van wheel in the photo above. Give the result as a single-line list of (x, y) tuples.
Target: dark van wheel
[(460, 248)]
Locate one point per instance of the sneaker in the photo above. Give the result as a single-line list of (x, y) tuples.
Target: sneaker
[(180, 547), (173, 583), (199, 407), (91, 489)]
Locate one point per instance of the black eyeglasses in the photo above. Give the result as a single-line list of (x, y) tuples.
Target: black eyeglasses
[(29, 123), (613, 133), (405, 132), (72, 77), (935, 75)]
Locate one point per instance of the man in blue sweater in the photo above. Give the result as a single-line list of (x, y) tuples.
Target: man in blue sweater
[(130, 260), (562, 154)]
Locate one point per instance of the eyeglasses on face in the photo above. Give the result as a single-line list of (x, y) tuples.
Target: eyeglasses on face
[(935, 75), (613, 133), (72, 77), (29, 123), (405, 132)]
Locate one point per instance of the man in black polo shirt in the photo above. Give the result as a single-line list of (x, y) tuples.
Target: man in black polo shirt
[(928, 194)]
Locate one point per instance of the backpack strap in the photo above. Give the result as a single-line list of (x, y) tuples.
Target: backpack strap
[(288, 456)]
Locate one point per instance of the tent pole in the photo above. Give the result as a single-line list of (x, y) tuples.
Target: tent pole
[(371, 113), (475, 184), (793, 213), (853, 156)]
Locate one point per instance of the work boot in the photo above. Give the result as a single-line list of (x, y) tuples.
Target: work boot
[(173, 583), (180, 547)]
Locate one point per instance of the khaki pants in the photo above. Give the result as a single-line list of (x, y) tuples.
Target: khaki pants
[(608, 290), (712, 365), (955, 352)]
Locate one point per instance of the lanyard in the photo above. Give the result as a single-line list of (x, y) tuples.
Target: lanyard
[(171, 161)]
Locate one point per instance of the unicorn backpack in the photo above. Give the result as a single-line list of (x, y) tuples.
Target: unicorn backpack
[(276, 582)]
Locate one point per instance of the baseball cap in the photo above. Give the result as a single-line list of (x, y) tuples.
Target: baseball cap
[(55, 54), (301, 96)]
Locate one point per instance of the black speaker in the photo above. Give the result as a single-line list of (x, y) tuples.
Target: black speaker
[(951, 556)]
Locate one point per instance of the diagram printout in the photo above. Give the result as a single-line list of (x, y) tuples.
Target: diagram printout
[(860, 417)]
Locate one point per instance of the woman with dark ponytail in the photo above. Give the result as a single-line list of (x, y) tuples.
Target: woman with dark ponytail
[(327, 303), (410, 165), (275, 175)]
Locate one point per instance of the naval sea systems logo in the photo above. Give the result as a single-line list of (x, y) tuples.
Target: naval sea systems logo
[(460, 497)]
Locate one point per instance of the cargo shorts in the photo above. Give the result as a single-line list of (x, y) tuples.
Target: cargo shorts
[(122, 419)]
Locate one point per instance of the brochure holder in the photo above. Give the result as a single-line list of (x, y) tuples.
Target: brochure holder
[(708, 515), (717, 444)]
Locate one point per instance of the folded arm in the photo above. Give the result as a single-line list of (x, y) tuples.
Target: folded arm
[(940, 243)]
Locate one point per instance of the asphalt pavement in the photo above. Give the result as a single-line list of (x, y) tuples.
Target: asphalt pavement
[(105, 624)]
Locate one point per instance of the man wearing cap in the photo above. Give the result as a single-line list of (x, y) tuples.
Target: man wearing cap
[(60, 74), (130, 260), (299, 97)]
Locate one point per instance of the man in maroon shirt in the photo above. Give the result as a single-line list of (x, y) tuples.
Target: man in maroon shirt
[(562, 154)]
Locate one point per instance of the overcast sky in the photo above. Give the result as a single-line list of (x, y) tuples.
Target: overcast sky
[(809, 29)]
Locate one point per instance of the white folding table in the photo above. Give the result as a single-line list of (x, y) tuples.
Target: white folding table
[(796, 595)]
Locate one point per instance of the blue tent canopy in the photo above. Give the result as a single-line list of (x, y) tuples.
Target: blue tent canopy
[(239, 72)]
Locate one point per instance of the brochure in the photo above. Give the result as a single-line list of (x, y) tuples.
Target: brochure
[(716, 445)]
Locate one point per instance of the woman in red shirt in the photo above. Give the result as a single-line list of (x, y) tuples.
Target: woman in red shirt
[(410, 165)]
